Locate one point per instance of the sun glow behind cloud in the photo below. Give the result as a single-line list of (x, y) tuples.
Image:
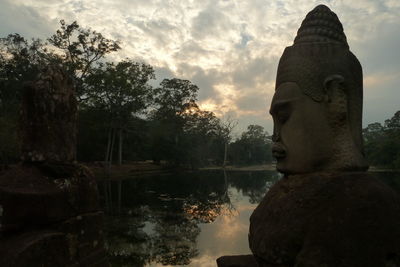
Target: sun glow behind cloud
[(229, 48)]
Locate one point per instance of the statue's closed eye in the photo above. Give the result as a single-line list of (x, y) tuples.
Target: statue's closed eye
[(282, 116)]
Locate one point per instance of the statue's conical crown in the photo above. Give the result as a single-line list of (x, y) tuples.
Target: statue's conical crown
[(321, 25)]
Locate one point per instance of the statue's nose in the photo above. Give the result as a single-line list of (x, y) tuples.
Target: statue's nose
[(275, 135)]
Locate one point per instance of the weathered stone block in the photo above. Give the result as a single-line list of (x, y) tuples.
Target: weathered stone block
[(35, 249), (29, 196), (237, 261)]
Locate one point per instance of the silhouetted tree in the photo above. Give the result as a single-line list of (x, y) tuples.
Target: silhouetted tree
[(253, 147), (122, 91), (81, 49), (382, 143)]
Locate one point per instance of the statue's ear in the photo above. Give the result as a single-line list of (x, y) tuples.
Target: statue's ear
[(331, 85)]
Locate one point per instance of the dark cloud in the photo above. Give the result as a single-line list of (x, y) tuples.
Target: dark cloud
[(381, 101), (209, 22), (190, 51), (161, 30), (24, 20), (236, 44), (250, 72), (380, 52), (161, 73), (205, 80), (263, 120), (252, 102)]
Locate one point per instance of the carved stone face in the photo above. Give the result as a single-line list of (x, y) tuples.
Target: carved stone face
[(303, 139)]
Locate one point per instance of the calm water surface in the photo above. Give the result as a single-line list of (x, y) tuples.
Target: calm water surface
[(188, 219)]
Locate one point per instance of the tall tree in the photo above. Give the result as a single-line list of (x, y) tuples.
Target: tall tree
[(171, 99), (382, 143), (254, 146), (200, 133), (122, 91), (82, 49), (226, 130), (20, 61)]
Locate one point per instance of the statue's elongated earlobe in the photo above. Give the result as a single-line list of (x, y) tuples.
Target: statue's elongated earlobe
[(331, 83)]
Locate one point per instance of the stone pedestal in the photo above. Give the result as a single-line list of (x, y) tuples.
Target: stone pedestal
[(49, 219), (237, 261), (332, 220)]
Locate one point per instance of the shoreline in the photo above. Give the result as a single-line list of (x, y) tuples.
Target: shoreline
[(147, 168), (140, 169)]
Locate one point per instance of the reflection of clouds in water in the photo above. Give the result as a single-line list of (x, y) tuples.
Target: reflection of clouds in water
[(227, 235), (203, 261), (172, 221), (230, 227)]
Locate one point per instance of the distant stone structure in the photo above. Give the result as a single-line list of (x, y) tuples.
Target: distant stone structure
[(49, 212), (326, 210)]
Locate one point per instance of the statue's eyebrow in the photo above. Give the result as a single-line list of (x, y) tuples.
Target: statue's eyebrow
[(279, 104)]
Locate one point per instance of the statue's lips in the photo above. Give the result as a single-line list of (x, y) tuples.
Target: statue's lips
[(278, 151)]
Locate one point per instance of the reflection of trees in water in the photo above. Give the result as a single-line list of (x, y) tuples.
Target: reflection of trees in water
[(156, 219), (253, 184), (207, 212), (138, 240), (175, 242), (126, 242)]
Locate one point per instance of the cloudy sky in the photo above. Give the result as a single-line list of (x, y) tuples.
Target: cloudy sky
[(229, 48)]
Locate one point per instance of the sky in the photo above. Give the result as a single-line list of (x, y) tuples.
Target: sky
[(229, 48)]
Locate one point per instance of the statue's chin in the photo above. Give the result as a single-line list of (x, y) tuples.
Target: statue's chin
[(282, 167)]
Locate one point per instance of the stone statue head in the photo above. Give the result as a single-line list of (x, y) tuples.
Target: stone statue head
[(317, 106)]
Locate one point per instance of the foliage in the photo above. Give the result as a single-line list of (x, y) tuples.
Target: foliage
[(81, 50), (172, 100), (253, 147), (382, 143), (120, 89), (202, 134), (20, 61), (75, 48), (116, 103)]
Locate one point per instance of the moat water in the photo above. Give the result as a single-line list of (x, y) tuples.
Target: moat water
[(187, 219)]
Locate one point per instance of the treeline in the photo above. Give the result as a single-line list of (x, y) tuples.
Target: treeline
[(382, 143), (121, 116)]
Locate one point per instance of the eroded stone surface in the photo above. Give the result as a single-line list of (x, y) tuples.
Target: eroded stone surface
[(237, 261), (36, 249), (343, 219), (30, 197), (48, 118)]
